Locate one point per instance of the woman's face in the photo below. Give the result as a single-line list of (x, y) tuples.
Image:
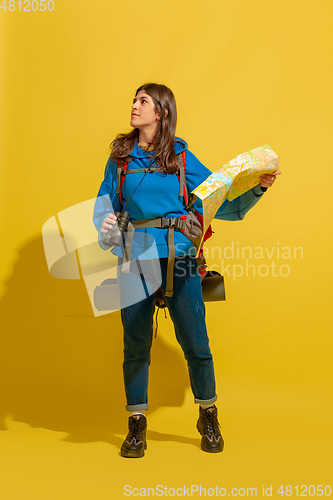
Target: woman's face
[(143, 111)]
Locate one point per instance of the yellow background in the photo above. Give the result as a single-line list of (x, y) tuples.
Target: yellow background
[(244, 74)]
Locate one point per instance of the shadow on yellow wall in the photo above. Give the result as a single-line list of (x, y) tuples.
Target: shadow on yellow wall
[(61, 368)]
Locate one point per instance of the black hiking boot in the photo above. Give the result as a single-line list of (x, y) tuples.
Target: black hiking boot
[(135, 442), (209, 428)]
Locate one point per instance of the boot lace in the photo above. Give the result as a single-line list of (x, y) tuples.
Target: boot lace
[(211, 425), (135, 430)]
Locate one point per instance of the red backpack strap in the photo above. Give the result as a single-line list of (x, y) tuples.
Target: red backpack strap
[(183, 191), (121, 174), (209, 231)]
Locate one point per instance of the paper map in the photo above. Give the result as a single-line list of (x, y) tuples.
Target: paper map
[(233, 179)]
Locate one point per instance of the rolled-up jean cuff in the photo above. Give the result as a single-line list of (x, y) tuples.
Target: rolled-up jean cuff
[(143, 406), (206, 401)]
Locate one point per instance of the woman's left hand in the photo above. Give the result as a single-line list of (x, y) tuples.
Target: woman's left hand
[(267, 180)]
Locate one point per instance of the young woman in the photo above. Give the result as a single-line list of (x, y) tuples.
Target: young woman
[(159, 255)]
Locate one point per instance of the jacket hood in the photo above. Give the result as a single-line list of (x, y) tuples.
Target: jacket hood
[(180, 146)]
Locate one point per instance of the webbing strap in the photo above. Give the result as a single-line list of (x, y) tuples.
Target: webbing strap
[(128, 248), (171, 262), (119, 170), (122, 171), (129, 239), (149, 169), (121, 174), (160, 222), (182, 179)]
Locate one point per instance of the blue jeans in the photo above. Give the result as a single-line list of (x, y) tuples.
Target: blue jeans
[(187, 311)]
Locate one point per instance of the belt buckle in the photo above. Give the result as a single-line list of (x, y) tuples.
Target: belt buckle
[(172, 223)]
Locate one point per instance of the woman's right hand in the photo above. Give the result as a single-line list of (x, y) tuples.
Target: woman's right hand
[(108, 223)]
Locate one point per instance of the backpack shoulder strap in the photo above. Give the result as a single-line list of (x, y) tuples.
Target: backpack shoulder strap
[(183, 190), (122, 171), (122, 165)]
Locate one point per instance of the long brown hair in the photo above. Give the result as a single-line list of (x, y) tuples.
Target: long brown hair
[(164, 139)]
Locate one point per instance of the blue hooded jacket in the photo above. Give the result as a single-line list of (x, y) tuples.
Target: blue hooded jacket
[(158, 196)]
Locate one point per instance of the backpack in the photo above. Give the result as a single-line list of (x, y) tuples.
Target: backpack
[(190, 225)]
